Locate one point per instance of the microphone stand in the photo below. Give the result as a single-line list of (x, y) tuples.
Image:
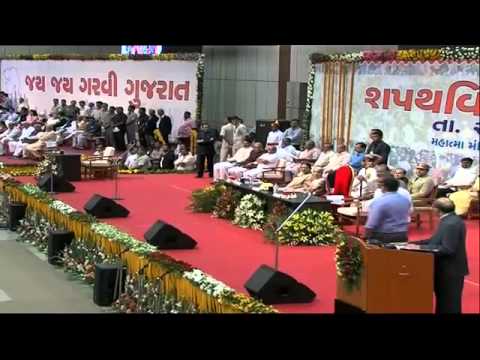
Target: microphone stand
[(277, 243)]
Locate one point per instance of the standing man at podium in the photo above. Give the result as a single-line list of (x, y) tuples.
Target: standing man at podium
[(451, 265)]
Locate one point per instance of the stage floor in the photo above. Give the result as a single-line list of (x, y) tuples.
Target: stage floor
[(229, 253)]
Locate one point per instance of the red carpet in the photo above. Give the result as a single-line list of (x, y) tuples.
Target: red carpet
[(232, 254)]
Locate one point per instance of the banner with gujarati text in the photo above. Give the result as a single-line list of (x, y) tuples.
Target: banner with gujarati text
[(428, 112), (170, 85)]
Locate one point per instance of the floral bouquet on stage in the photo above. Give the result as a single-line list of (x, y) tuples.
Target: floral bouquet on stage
[(204, 200), (309, 227), (250, 212), (227, 203), (349, 262)]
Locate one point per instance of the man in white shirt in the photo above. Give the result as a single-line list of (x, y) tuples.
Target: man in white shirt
[(132, 156), (82, 107), (365, 182), (27, 137), (275, 136), (220, 170), (287, 151), (325, 156), (269, 160), (227, 135), (337, 160), (185, 161), (239, 135), (11, 134), (465, 176), (27, 130)]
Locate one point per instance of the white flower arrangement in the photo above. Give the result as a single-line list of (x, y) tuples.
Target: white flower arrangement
[(208, 284), (250, 212), (62, 207), (113, 234), (32, 190)]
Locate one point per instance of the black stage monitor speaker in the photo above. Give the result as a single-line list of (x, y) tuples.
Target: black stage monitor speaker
[(59, 184), (57, 241), (69, 166), (275, 287), (103, 208), (165, 236), (16, 212), (105, 280)]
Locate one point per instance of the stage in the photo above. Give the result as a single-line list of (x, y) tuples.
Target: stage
[(229, 253)]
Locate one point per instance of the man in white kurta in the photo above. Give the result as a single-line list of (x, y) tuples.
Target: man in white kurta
[(239, 135), (227, 134), (220, 170), (337, 160), (16, 147), (325, 156), (365, 183), (275, 136), (185, 161), (267, 161)]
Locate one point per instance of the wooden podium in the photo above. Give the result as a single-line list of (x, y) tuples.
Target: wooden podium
[(392, 281)]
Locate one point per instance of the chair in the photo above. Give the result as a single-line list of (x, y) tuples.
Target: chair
[(277, 175), (424, 206), (343, 181), (104, 165), (357, 217)]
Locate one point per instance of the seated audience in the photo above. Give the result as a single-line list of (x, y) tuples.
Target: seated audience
[(309, 155), (3, 127), (185, 161), (464, 177), (401, 175), (325, 156), (365, 183), (363, 202), (267, 161), (463, 198), (37, 149), (422, 185), (32, 117), (142, 162), (162, 156), (131, 158), (11, 135), (287, 151), (237, 171), (80, 136), (337, 160), (357, 156), (220, 170), (316, 183), (388, 214), (299, 182), (16, 147)]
